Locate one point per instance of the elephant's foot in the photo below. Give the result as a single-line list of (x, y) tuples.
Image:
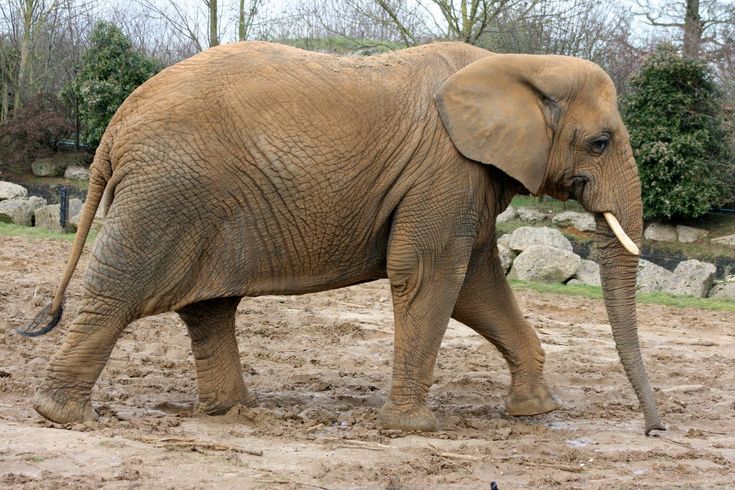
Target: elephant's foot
[(531, 402), (218, 405), (407, 417), (63, 408)]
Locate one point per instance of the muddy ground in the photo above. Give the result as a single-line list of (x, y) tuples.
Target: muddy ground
[(319, 366)]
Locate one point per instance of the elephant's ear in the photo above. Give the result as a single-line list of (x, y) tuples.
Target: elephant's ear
[(498, 112)]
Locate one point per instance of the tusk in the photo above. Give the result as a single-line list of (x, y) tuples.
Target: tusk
[(625, 240)]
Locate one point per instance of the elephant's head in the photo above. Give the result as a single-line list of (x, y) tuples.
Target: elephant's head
[(552, 123)]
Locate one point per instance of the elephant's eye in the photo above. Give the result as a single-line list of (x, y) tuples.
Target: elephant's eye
[(599, 144)]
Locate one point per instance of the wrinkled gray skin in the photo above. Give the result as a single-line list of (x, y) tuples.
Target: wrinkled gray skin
[(256, 169)]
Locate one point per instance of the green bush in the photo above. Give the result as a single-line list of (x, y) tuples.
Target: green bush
[(672, 114), (110, 71)]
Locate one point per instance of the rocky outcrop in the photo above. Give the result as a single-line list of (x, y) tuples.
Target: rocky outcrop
[(723, 290), (588, 273), (506, 257), (531, 215), (48, 217), (688, 234), (661, 233), (507, 215), (692, 278), (544, 263), (55, 165), (8, 190), (76, 172), (652, 278), (527, 236), (728, 240), (579, 221), (48, 167), (20, 210)]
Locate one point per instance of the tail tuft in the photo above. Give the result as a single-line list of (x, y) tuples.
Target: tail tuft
[(35, 328)]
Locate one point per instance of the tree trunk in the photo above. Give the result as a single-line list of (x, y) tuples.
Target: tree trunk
[(692, 30), (213, 30)]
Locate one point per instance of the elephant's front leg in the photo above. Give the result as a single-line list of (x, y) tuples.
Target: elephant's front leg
[(211, 325), (486, 304), (424, 286)]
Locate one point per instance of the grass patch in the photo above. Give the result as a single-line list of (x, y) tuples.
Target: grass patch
[(9, 229), (594, 292)]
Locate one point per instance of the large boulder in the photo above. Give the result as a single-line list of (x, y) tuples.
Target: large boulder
[(544, 263), (692, 278), (55, 165), (48, 217), (76, 172), (579, 221), (526, 236), (8, 190), (507, 215), (48, 167), (20, 210), (688, 234), (588, 273), (661, 233), (728, 240), (652, 278), (723, 290), (506, 257), (532, 215)]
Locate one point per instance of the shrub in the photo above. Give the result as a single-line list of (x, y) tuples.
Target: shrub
[(672, 114), (110, 71), (35, 131)]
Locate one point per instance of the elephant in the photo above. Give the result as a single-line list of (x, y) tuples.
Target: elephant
[(257, 168)]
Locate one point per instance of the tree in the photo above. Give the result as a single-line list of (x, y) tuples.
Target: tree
[(677, 137), (110, 71), (704, 24)]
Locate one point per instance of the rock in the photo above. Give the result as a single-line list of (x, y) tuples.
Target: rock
[(661, 233), (55, 165), (692, 278), (652, 278), (728, 240), (506, 257), (8, 190), (75, 206), (507, 215), (505, 240), (75, 172), (48, 217), (579, 221), (544, 263), (527, 236), (588, 273), (724, 290), (532, 215), (48, 167), (688, 234), (20, 210), (575, 282)]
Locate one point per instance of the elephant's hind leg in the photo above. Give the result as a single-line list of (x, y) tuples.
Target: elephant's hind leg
[(211, 325), (486, 304), (65, 394)]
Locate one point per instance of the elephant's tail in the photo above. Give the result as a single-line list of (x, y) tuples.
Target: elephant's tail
[(50, 315)]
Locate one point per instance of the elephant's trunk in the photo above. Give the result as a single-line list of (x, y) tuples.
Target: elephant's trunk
[(618, 269)]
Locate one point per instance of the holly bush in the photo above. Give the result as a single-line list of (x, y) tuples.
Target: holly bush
[(111, 69), (672, 113)]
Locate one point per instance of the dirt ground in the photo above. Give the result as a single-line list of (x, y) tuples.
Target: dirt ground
[(320, 364)]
